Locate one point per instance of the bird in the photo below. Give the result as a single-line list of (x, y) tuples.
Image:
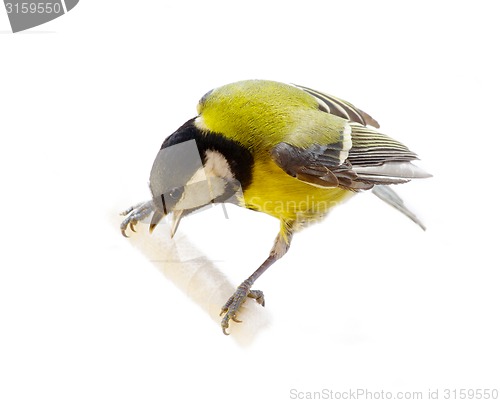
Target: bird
[(285, 150)]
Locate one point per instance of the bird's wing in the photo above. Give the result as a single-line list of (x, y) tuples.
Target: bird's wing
[(316, 165), (357, 158), (339, 107), (378, 159)]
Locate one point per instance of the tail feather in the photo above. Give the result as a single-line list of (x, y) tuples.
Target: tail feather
[(390, 172), (388, 195)]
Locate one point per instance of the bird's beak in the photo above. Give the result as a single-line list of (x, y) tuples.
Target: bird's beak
[(176, 219), (157, 216)]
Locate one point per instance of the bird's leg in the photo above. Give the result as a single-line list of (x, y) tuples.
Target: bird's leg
[(135, 214), (233, 304)]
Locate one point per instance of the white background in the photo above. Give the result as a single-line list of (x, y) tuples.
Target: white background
[(363, 300)]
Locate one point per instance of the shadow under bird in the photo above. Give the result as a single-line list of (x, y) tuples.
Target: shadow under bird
[(285, 150)]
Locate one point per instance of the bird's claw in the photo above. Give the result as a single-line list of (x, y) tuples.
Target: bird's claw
[(233, 304), (127, 211), (134, 215)]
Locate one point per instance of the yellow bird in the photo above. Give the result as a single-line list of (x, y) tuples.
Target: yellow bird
[(284, 150)]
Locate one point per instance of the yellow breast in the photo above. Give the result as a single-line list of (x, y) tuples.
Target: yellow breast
[(274, 192)]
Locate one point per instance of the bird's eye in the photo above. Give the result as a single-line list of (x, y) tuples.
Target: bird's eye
[(175, 193)]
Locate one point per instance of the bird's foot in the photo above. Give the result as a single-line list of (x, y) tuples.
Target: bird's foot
[(233, 304), (134, 215)]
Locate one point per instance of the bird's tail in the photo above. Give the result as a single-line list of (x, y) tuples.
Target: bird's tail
[(387, 194)]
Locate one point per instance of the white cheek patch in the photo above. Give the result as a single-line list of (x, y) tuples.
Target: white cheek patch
[(198, 176), (201, 193), (207, 183), (196, 192), (195, 195), (217, 165)]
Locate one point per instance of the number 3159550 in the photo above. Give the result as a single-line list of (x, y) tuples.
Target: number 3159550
[(33, 8)]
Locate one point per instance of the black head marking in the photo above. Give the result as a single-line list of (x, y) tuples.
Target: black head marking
[(239, 158)]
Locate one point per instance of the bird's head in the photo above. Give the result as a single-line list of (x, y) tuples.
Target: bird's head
[(193, 169)]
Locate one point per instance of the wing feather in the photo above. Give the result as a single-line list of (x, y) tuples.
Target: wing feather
[(339, 107), (358, 156)]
